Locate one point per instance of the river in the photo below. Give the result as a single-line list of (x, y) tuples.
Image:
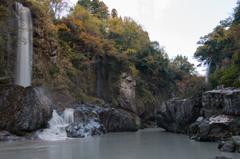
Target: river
[(144, 144)]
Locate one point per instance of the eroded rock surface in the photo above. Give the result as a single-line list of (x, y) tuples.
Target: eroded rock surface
[(23, 109), (126, 92), (215, 128), (176, 115), (114, 121), (82, 130), (229, 146), (96, 120), (6, 136), (222, 101)]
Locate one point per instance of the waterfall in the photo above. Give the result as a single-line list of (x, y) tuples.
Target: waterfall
[(68, 116), (57, 124), (208, 71), (24, 46)]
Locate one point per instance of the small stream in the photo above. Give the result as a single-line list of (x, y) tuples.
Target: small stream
[(144, 144)]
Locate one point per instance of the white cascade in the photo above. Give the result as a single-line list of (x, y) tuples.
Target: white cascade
[(24, 46), (208, 72), (68, 116), (57, 124)]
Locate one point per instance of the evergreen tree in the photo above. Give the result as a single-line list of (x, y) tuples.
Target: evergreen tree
[(114, 13), (85, 3)]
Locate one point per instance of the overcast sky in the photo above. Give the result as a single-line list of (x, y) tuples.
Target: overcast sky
[(175, 24)]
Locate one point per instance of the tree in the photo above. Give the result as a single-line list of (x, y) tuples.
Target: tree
[(215, 46), (99, 9), (85, 3), (114, 13), (183, 64)]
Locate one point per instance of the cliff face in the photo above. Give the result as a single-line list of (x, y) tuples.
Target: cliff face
[(126, 92), (176, 115), (213, 116), (222, 101), (220, 115)]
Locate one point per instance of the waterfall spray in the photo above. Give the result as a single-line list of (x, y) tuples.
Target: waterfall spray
[(57, 124), (25, 46)]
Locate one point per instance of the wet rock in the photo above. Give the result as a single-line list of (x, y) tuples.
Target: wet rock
[(229, 146), (80, 130), (176, 115), (6, 136), (23, 109), (96, 120), (87, 122), (215, 128), (31, 136), (221, 144)]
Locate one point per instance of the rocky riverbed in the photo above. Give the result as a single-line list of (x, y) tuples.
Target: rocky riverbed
[(212, 116)]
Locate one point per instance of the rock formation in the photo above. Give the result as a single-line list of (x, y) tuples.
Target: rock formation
[(214, 128), (214, 116), (23, 109), (126, 92), (176, 115), (96, 120), (222, 101)]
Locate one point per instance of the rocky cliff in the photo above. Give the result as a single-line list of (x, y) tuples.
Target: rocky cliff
[(220, 115), (176, 115), (213, 116)]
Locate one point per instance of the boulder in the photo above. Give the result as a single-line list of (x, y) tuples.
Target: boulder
[(176, 115), (114, 121), (229, 146), (23, 109), (87, 122), (220, 145), (81, 130), (6, 136), (136, 120), (215, 128)]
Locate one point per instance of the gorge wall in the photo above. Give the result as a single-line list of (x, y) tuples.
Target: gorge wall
[(212, 116)]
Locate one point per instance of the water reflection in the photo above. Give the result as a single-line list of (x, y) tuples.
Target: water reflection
[(144, 144)]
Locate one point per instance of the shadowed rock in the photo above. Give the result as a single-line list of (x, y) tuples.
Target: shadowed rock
[(229, 146), (176, 115), (227, 100), (110, 118), (23, 109), (215, 128), (6, 136)]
